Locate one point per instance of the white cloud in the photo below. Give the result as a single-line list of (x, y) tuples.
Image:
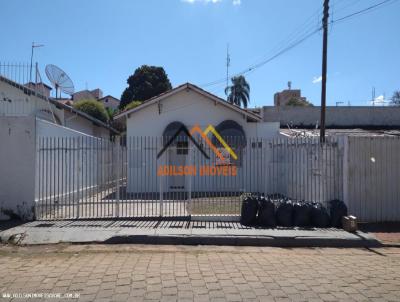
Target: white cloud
[(379, 100), (234, 2), (317, 80)]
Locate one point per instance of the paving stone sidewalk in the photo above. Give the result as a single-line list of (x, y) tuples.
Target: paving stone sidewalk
[(200, 273)]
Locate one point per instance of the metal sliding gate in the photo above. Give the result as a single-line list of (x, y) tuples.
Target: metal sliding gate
[(86, 177)]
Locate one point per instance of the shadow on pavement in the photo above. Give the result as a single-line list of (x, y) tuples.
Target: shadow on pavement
[(383, 227), (8, 224)]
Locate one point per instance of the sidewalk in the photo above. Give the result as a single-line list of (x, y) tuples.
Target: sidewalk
[(386, 232), (179, 232), (148, 273)]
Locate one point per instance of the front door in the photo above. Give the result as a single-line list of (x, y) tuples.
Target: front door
[(177, 157)]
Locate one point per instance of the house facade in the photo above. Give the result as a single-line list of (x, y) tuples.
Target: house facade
[(110, 102), (168, 119)]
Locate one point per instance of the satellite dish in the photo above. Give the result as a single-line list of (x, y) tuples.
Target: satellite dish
[(60, 80)]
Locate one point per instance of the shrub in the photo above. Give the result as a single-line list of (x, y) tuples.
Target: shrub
[(299, 103), (132, 105), (93, 108)]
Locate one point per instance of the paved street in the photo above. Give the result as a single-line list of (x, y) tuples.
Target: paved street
[(187, 273)]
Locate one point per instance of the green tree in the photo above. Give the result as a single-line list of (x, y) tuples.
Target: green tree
[(93, 108), (145, 83), (118, 125), (396, 98), (298, 102), (111, 112), (239, 92)]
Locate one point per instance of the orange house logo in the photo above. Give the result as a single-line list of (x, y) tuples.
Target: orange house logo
[(204, 170)]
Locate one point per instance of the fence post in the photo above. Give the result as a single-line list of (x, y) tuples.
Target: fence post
[(78, 174), (189, 178), (345, 170), (161, 180), (118, 171)]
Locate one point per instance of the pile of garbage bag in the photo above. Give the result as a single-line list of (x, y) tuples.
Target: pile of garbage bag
[(277, 210)]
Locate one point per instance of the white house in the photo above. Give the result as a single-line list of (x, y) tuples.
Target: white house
[(191, 105), (152, 125)]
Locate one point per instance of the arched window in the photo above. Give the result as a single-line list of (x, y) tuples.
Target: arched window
[(180, 141), (233, 134)]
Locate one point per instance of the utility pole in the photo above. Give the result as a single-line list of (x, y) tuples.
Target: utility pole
[(373, 96), (324, 68), (228, 63), (33, 46)]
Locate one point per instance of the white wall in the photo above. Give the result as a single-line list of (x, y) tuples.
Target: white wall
[(19, 103), (70, 164), (372, 177), (340, 116), (304, 170), (36, 156), (191, 108), (17, 166)]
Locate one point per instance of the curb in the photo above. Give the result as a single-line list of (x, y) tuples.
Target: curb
[(243, 241)]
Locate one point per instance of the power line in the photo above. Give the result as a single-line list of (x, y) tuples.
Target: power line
[(257, 65), (362, 11), (298, 42), (300, 30)]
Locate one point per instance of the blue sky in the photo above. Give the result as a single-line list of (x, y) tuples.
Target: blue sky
[(102, 42)]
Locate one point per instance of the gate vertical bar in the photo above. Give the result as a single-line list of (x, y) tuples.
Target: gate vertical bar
[(117, 150)]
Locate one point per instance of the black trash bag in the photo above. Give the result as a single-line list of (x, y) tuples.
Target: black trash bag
[(338, 209), (301, 214), (284, 213), (319, 216), (266, 213), (249, 211), (277, 196)]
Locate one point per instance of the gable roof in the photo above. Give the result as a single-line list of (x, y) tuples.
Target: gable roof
[(57, 104), (109, 96), (197, 89)]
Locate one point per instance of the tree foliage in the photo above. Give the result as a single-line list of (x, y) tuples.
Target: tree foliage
[(298, 102), (396, 98), (239, 92), (145, 83), (132, 105), (93, 108)]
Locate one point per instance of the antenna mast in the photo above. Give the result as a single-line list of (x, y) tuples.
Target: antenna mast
[(33, 47), (228, 63)]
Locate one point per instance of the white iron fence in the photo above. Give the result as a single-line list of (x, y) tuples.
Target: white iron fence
[(159, 177)]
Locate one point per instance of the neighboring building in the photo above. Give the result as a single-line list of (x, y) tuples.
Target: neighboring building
[(19, 100), (110, 102), (282, 98), (43, 88), (336, 116), (95, 94), (26, 116)]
